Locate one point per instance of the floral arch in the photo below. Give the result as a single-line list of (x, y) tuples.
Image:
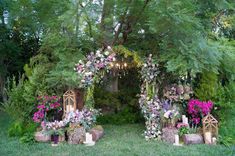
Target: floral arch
[(92, 69)]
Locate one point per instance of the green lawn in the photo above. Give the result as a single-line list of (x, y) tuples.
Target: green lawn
[(118, 140)]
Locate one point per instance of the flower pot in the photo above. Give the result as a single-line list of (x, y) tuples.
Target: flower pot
[(55, 138)]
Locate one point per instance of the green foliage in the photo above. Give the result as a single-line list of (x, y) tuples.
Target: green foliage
[(125, 116), (89, 97), (16, 129), (28, 138), (55, 132), (182, 44), (27, 70), (207, 86), (183, 130), (17, 106), (19, 128)]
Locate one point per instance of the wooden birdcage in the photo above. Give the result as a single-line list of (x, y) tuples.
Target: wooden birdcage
[(210, 124), (72, 100)]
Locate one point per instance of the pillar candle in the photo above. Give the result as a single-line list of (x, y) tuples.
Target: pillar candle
[(69, 108), (207, 137), (88, 137), (214, 140), (177, 139)]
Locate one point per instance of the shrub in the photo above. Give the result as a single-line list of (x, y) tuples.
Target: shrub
[(16, 129), (208, 86), (17, 107)]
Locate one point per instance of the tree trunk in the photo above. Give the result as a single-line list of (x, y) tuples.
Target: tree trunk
[(107, 23)]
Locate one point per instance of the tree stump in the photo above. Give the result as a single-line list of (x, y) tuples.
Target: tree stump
[(193, 139), (96, 134), (76, 136), (41, 137), (168, 134)]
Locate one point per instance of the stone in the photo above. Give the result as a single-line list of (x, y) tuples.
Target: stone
[(168, 134), (193, 139), (42, 137), (76, 136)]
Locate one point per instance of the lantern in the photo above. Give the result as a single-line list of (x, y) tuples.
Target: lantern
[(73, 100), (69, 101), (210, 124)]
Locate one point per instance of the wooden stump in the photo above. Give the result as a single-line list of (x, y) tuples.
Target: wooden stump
[(168, 134), (96, 134), (76, 136), (41, 137), (193, 139)]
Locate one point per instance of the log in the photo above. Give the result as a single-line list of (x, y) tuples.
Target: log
[(76, 136), (96, 134), (168, 134), (42, 137), (193, 139)]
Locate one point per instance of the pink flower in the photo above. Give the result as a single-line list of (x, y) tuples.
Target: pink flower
[(41, 106), (197, 108), (179, 125)]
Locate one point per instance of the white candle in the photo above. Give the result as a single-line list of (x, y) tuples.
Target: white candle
[(88, 137), (214, 140), (69, 108), (184, 119), (207, 137), (177, 139)]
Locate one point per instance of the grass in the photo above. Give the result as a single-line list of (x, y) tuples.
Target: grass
[(118, 141)]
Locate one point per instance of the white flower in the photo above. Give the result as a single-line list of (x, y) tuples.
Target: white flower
[(109, 48), (167, 114), (106, 53), (97, 52)]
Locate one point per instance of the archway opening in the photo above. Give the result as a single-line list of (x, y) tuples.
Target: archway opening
[(117, 96)]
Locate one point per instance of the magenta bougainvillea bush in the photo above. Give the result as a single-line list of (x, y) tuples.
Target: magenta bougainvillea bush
[(198, 109), (47, 106)]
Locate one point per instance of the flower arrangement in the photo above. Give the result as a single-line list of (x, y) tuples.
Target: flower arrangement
[(47, 106), (55, 127), (177, 93), (170, 113), (198, 109), (182, 129), (85, 117), (89, 68)]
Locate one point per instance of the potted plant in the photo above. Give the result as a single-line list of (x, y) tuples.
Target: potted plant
[(183, 129)]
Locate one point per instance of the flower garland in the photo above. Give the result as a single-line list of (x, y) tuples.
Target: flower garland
[(149, 103), (89, 69)]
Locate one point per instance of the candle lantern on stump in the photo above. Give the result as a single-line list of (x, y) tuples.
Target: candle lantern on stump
[(210, 128), (72, 100)]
